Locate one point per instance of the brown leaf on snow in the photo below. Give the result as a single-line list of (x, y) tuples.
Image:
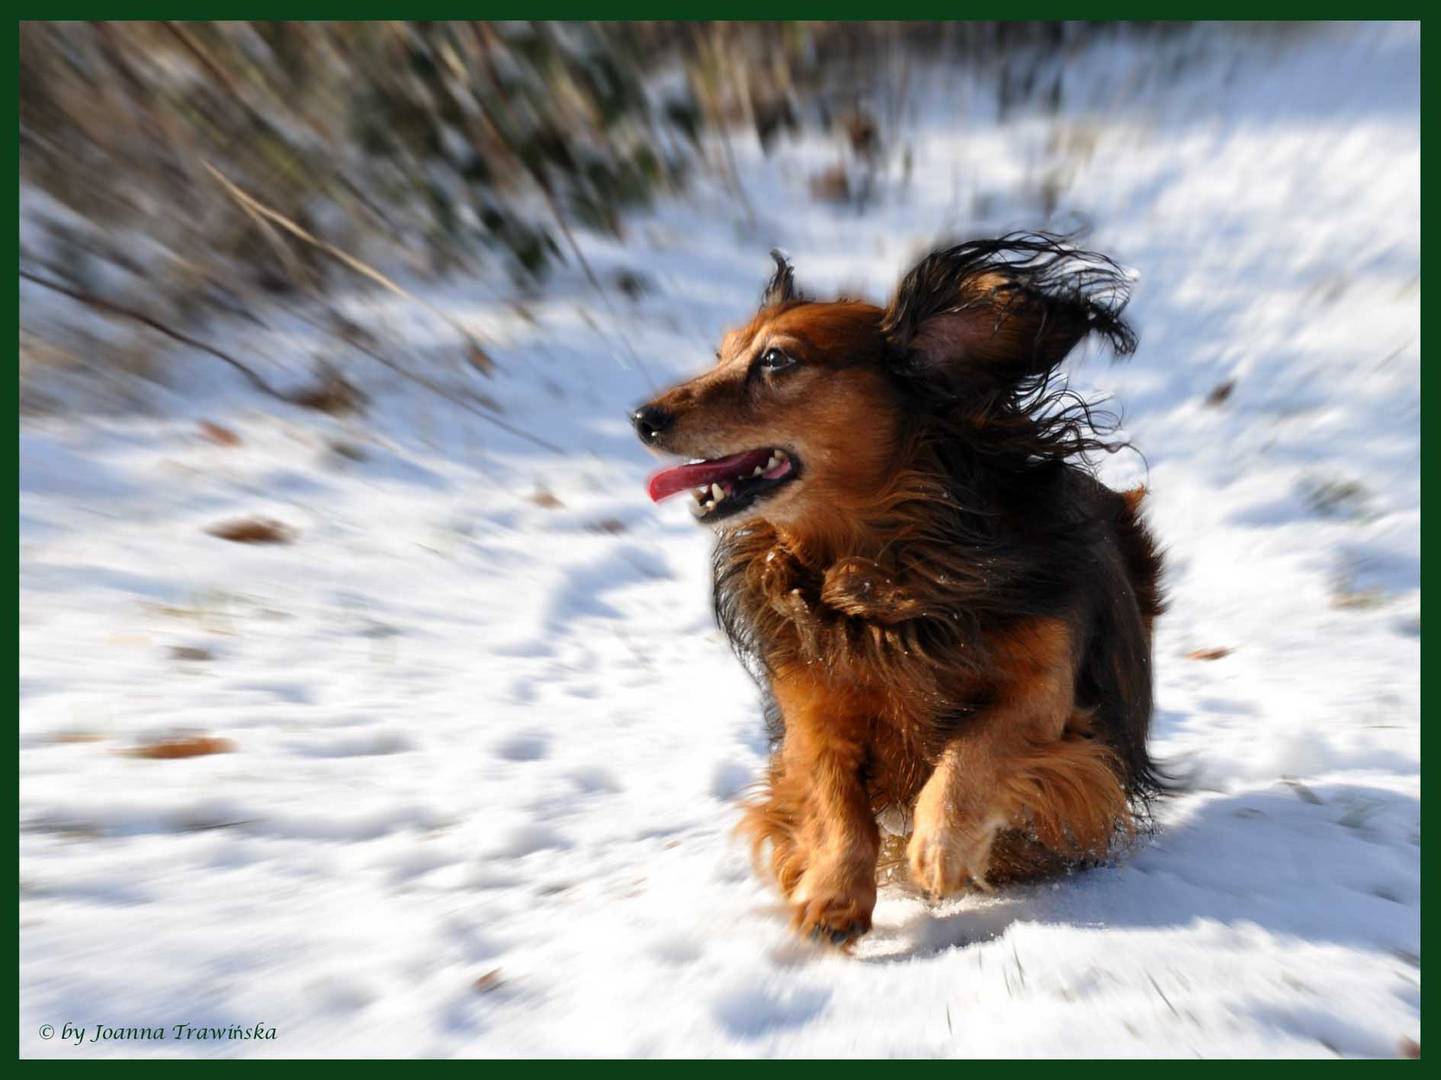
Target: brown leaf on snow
[(479, 359), (220, 436), (348, 450), (253, 531), (487, 982), (832, 185), (545, 500), (190, 746), (330, 393), (1220, 393), (1210, 654), (190, 652)]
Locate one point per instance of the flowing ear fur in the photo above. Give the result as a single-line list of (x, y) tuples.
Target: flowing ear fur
[(1002, 312)]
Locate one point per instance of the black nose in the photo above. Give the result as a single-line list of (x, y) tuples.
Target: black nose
[(650, 421)]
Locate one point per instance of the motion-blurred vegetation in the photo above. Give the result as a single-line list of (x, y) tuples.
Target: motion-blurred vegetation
[(178, 171)]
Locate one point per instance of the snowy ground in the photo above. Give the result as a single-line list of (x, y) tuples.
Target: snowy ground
[(487, 743)]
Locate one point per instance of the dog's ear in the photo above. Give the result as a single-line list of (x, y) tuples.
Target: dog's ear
[(781, 288), (1000, 312)]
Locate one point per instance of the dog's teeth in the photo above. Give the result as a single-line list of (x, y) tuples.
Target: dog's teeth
[(708, 505), (716, 493), (758, 471), (781, 455), (771, 464)]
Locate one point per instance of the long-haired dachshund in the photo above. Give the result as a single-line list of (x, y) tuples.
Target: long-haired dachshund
[(950, 616)]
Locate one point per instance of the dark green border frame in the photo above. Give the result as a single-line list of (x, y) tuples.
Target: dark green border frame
[(735, 10)]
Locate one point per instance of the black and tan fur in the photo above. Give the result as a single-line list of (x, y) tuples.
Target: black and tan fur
[(951, 617)]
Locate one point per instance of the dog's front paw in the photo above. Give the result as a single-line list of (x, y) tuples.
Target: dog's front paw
[(861, 588), (947, 856), (833, 915)]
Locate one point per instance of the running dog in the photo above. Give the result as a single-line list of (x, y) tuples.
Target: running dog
[(949, 615)]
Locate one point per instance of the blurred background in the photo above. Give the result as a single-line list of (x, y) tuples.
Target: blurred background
[(366, 701)]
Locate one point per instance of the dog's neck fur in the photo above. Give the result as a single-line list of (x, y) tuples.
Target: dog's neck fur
[(878, 524)]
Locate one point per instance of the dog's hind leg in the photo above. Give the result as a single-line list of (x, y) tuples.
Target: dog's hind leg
[(1023, 763)]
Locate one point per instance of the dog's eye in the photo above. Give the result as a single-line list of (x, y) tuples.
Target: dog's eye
[(775, 360)]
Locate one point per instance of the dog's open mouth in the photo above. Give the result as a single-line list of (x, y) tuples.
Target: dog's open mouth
[(726, 486)]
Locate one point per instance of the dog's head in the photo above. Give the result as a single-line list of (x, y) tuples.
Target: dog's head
[(804, 412)]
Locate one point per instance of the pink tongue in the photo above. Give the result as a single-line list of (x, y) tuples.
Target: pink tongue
[(667, 482)]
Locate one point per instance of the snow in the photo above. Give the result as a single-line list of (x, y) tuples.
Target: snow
[(481, 734)]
